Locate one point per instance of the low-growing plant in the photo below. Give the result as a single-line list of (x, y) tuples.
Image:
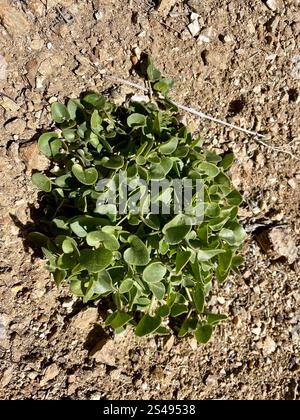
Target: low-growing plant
[(154, 268)]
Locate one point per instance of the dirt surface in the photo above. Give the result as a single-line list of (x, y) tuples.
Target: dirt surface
[(243, 65)]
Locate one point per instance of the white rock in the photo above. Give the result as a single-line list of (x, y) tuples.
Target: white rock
[(98, 15), (194, 16), (3, 68), (269, 346), (194, 27), (256, 331), (140, 98), (203, 38), (207, 34), (273, 4), (211, 380)]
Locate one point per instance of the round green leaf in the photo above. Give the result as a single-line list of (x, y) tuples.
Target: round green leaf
[(95, 260), (103, 283), (227, 161), (109, 241), (203, 333), (94, 100), (154, 272), (147, 325), (85, 176), (137, 254), (118, 319), (59, 112), (67, 261), (41, 181), (126, 286), (169, 147), (136, 120), (44, 143), (209, 169), (76, 287), (114, 162), (177, 229), (158, 289)]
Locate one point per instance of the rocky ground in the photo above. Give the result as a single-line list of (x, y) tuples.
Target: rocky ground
[(236, 60)]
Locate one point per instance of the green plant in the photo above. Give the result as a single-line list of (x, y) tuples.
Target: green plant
[(155, 270)]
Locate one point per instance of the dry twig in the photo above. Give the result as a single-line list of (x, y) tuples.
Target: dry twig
[(200, 114)]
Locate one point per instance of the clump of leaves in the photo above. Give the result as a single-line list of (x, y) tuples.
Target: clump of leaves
[(154, 270)]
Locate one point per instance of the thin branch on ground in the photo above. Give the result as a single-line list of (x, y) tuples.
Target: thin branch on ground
[(193, 111), (125, 82), (185, 108), (276, 149), (216, 120)]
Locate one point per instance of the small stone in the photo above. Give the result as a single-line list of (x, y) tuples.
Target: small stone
[(3, 68), (37, 44), (169, 343), (221, 300), (251, 28), (256, 331), (51, 372), (284, 244), (140, 98), (104, 352), (32, 375), (194, 27), (269, 346), (196, 5), (95, 397), (185, 34), (32, 157), (142, 34), (7, 377), (194, 16), (228, 39), (165, 6), (293, 183), (13, 20), (193, 343), (37, 7), (134, 60), (52, 100), (9, 104), (85, 319), (16, 126), (207, 35), (98, 15), (17, 288), (211, 380), (274, 4)]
